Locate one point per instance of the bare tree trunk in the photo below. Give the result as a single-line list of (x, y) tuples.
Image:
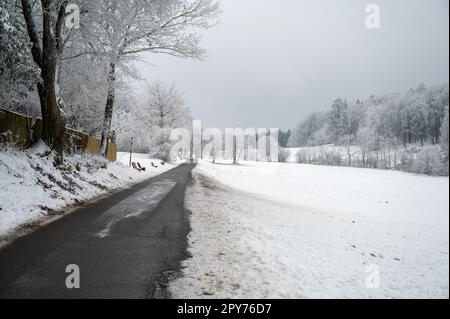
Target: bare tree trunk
[(389, 158), (234, 150), (395, 158), (54, 126), (108, 110), (47, 58), (191, 149), (377, 158), (363, 153), (321, 154), (349, 156)]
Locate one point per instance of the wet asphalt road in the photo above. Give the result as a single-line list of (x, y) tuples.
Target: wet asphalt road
[(122, 245)]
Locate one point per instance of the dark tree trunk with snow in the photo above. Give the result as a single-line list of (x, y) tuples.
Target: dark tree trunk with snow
[(53, 122), (46, 56), (108, 109)]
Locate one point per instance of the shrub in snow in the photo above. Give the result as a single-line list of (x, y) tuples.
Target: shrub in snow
[(357, 163), (283, 155), (406, 161), (7, 142), (445, 142), (301, 157), (332, 158), (445, 170), (161, 145), (428, 161)]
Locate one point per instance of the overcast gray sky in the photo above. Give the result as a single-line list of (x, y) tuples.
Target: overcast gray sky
[(272, 62)]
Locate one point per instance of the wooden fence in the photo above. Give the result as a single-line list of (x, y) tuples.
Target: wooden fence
[(24, 132)]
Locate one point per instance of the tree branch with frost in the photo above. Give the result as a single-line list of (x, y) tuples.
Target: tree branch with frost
[(36, 50)]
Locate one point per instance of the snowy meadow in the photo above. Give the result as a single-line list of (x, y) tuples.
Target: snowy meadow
[(273, 230)]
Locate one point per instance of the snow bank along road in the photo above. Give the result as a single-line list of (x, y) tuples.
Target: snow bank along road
[(272, 230), (123, 245), (33, 192)]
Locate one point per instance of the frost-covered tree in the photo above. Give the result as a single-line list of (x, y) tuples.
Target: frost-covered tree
[(283, 138), (305, 131), (384, 128), (338, 120), (150, 121), (414, 117), (165, 106), (121, 30), (18, 73), (44, 21), (444, 139), (83, 88), (166, 111), (437, 101)]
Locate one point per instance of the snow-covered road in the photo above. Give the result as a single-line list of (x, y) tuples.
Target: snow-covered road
[(269, 230)]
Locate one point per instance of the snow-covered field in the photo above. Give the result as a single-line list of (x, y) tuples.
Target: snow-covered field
[(32, 190), (273, 230)]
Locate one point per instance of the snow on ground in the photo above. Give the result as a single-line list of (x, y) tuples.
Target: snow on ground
[(146, 162), (273, 230), (32, 190)]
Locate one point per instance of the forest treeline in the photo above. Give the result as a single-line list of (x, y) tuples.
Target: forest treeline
[(401, 131)]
